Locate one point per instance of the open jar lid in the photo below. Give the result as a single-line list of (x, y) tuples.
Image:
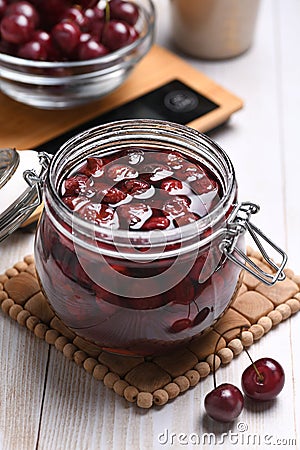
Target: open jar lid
[(21, 177)]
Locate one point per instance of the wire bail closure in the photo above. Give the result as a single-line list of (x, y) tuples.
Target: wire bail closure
[(28, 201), (238, 224)]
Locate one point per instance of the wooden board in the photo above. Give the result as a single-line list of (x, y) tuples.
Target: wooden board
[(156, 380), (24, 127)]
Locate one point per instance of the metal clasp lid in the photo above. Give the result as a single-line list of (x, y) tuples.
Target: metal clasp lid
[(238, 224), (29, 199)]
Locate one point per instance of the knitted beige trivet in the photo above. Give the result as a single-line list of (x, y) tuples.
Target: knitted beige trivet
[(162, 378)]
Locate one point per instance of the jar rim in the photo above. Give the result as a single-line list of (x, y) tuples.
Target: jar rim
[(154, 130)]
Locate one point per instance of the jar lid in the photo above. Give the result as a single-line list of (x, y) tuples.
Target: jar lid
[(21, 177)]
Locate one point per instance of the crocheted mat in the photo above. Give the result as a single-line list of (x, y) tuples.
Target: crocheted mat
[(157, 380)]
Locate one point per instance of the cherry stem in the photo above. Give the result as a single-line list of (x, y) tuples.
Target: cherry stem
[(216, 346), (107, 11), (259, 375)]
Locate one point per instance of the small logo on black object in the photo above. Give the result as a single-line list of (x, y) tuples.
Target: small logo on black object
[(181, 101)]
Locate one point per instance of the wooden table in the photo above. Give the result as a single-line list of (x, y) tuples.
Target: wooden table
[(46, 402)]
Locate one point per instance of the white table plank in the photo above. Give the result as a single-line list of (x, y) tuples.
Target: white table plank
[(23, 366)]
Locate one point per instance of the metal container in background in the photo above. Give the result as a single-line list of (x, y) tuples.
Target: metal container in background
[(214, 29)]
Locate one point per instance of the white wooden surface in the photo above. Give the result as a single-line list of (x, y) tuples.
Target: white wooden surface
[(48, 403)]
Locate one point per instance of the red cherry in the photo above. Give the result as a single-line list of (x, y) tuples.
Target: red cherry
[(135, 215), (118, 172), (75, 203), (115, 34), (136, 187), (33, 50), (93, 23), (156, 223), (155, 172), (42, 36), (25, 8), (224, 403), (92, 167), (263, 380), (75, 15), (113, 195), (177, 206), (100, 214), (133, 34), (76, 184), (84, 37), (66, 35), (171, 185), (204, 185), (123, 10), (186, 219), (46, 41), (174, 160), (180, 325), (91, 49), (16, 28), (201, 316)]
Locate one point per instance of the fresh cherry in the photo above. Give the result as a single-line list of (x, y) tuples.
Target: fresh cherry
[(66, 35), (263, 379), (75, 14), (124, 11), (115, 34), (93, 22), (224, 403), (16, 28), (91, 49), (34, 50), (25, 8)]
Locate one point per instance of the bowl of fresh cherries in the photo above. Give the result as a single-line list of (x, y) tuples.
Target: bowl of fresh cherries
[(62, 53)]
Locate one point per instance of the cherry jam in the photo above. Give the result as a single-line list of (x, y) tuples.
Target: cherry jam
[(128, 246), (134, 189)]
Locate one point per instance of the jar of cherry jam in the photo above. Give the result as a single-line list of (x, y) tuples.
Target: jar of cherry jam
[(140, 247)]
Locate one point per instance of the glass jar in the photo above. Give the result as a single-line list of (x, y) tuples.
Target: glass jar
[(144, 292), (134, 292)]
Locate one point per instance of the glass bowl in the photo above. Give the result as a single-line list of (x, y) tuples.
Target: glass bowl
[(58, 85)]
